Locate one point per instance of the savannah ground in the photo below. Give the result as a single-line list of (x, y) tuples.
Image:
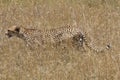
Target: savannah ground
[(100, 19)]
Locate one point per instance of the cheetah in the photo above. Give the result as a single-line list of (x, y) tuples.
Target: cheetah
[(32, 36), (57, 35)]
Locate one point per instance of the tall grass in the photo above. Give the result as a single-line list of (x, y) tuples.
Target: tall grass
[(98, 18)]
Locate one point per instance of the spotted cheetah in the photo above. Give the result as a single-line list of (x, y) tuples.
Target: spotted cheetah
[(41, 37), (31, 36)]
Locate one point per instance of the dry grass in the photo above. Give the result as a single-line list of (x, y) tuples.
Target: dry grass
[(99, 18)]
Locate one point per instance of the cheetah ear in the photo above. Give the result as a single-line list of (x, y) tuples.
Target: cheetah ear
[(17, 29)]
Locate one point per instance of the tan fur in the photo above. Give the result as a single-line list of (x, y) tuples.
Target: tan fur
[(40, 37)]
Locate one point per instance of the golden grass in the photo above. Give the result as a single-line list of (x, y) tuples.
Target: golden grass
[(99, 18)]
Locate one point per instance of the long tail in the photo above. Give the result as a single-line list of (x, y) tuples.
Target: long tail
[(91, 47)]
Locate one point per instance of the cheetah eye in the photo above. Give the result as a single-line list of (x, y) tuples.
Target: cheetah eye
[(9, 31)]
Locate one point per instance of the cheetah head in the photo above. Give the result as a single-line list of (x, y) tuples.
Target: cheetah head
[(13, 31)]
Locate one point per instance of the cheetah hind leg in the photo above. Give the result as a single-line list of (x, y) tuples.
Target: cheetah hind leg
[(78, 41)]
